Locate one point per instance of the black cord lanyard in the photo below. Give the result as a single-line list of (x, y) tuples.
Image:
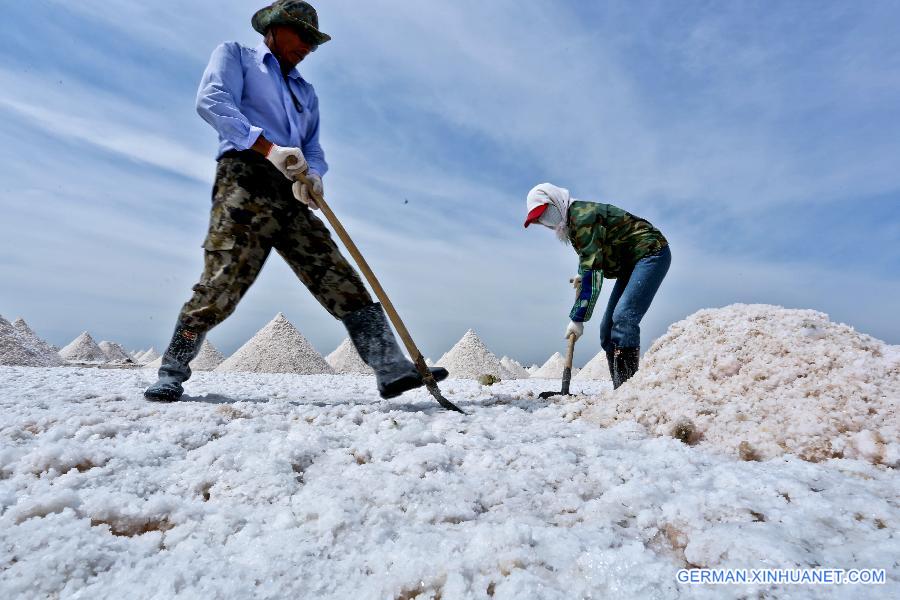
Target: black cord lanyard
[(297, 103), (287, 82)]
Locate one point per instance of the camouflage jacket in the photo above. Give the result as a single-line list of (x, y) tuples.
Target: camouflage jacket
[(609, 239)]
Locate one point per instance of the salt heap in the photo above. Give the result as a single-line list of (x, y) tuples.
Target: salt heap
[(45, 354), (552, 369), (511, 369), (208, 358), (114, 352), (277, 348), (346, 360), (31, 340), (596, 369), (83, 349), (470, 359), (761, 381), (148, 357), (14, 351), (532, 370)]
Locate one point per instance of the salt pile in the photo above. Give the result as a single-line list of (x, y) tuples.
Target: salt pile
[(597, 368), (277, 348), (762, 381), (511, 369), (148, 357), (532, 370), (552, 369), (83, 349), (208, 358), (114, 352), (470, 359), (346, 360), (15, 351), (41, 353), (30, 339)]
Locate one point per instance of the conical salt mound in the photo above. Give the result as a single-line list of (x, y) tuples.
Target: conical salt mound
[(470, 359), (346, 360), (596, 369), (760, 381), (114, 352), (552, 369), (207, 359), (45, 353), (511, 369), (277, 348), (83, 349), (148, 357), (532, 370), (13, 350)]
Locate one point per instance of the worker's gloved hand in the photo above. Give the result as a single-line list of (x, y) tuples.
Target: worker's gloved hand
[(304, 194), (575, 328), (290, 161), (576, 282)]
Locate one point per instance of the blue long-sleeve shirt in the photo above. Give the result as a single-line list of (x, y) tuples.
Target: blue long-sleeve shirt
[(243, 94)]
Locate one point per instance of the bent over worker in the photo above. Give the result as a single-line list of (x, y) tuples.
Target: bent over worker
[(267, 118), (611, 243)]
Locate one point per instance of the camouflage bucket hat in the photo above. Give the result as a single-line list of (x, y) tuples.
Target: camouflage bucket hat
[(293, 13)]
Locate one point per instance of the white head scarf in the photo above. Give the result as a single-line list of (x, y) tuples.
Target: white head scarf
[(556, 215)]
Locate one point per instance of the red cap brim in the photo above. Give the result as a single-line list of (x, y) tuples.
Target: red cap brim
[(535, 214)]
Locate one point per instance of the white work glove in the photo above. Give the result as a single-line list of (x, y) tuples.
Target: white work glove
[(576, 282), (278, 156), (303, 193), (575, 328)]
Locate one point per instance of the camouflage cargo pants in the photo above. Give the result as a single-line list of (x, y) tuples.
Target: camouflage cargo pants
[(254, 211)]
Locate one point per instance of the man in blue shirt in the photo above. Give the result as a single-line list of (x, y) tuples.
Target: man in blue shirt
[(267, 118)]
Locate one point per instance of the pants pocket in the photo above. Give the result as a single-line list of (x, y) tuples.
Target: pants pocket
[(218, 241)]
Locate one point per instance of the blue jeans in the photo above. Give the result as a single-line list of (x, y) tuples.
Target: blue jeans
[(630, 299)]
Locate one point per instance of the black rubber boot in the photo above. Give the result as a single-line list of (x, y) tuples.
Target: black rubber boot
[(175, 368), (375, 342), (625, 364), (612, 365)]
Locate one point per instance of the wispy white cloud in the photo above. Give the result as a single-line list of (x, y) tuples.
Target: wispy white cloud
[(94, 117)]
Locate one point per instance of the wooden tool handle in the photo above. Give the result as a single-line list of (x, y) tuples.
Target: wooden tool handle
[(367, 272), (567, 371)]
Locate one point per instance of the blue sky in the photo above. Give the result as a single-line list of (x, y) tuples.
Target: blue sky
[(762, 138)]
